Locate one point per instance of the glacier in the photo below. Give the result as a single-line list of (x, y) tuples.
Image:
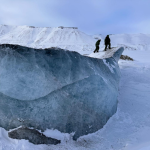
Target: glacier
[(57, 89)]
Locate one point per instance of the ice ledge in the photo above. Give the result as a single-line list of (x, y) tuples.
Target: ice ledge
[(114, 52)]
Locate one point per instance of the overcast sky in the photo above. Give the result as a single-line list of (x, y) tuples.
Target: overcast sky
[(90, 16)]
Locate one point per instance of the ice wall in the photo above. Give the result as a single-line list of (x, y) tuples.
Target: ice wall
[(54, 88)]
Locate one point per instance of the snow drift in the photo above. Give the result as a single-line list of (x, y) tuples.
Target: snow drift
[(54, 88)]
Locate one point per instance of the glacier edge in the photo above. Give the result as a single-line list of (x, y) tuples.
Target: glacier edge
[(81, 92)]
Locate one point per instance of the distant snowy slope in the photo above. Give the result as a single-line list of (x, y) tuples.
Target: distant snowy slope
[(133, 41), (4, 29), (129, 41), (67, 38)]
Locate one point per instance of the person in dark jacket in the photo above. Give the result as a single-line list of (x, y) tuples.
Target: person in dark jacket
[(107, 42), (97, 46)]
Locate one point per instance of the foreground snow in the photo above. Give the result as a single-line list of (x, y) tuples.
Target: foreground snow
[(128, 129)]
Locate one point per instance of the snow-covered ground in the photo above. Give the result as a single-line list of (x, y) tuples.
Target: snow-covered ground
[(129, 128)]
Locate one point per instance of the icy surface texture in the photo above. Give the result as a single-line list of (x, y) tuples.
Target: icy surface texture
[(57, 89)]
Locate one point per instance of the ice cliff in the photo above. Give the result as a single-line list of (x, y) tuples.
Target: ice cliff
[(54, 88)]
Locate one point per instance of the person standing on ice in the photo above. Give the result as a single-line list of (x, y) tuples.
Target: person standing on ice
[(97, 46), (107, 42)]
